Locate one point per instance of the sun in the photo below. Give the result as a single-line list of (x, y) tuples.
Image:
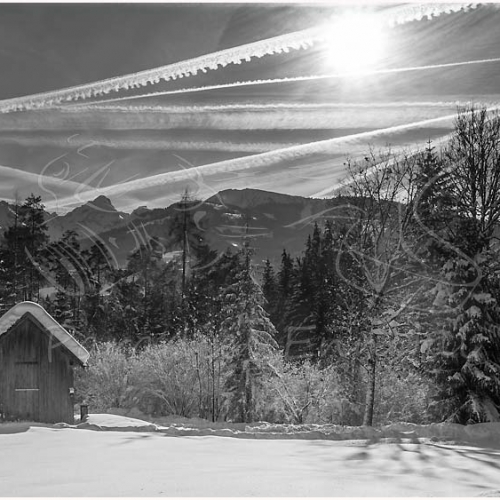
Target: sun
[(355, 42)]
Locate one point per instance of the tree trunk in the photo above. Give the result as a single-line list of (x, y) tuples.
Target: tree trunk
[(370, 393), (212, 362), (248, 417)]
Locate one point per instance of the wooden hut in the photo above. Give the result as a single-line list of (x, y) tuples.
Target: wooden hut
[(37, 356)]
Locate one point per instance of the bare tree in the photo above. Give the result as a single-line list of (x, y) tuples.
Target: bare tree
[(380, 240), (473, 155)]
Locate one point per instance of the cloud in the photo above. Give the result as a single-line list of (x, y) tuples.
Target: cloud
[(249, 83), (404, 150), (16, 182), (270, 117), (202, 178), (86, 140), (236, 55)]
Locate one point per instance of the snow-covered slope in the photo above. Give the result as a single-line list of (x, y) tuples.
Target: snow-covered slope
[(83, 463), (487, 434)]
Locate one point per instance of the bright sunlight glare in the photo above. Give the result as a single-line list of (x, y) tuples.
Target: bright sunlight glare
[(356, 42)]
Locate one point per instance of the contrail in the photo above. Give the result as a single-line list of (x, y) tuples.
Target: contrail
[(292, 41), (205, 108), (85, 142), (294, 79), (115, 124), (417, 12), (414, 149), (53, 181), (190, 67), (410, 151), (15, 180), (265, 159)]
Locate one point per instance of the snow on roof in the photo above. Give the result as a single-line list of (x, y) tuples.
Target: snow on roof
[(14, 314)]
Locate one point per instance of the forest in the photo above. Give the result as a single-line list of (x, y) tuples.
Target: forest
[(391, 312)]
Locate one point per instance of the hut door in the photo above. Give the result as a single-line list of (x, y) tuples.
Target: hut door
[(27, 390)]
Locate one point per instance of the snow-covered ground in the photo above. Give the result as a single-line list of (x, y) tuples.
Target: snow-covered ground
[(78, 461)]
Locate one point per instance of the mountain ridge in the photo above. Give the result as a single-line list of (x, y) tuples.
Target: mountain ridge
[(275, 221)]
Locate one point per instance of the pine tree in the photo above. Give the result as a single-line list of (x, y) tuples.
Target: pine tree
[(270, 291), (300, 324), (252, 338), (312, 299), (33, 218), (187, 236), (464, 349), (144, 266), (68, 273), (10, 265), (22, 252), (124, 308), (285, 285), (99, 266)]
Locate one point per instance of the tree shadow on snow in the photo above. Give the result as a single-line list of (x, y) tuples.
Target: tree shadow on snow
[(404, 451), (479, 454), (133, 438)]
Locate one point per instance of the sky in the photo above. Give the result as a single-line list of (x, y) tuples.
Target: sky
[(154, 106)]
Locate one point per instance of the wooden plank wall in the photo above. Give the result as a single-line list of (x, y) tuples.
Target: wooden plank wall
[(39, 368)]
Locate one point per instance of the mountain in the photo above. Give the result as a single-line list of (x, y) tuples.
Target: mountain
[(275, 221), (91, 219), (272, 221)]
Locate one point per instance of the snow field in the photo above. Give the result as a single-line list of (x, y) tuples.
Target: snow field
[(47, 461)]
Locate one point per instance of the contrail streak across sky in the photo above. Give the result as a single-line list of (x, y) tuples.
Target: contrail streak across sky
[(276, 110), (329, 146), (284, 80), (283, 43)]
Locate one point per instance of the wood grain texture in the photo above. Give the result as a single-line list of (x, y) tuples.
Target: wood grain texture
[(35, 375)]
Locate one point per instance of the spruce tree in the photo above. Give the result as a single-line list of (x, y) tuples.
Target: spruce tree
[(464, 348), (22, 252), (11, 269), (99, 266), (270, 291), (285, 285), (68, 273), (252, 338), (313, 297)]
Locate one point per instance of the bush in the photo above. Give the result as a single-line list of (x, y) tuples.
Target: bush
[(302, 393), (402, 398), (183, 377), (106, 382), (186, 377), (165, 380)]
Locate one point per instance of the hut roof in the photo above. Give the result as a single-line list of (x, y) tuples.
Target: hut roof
[(13, 315)]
